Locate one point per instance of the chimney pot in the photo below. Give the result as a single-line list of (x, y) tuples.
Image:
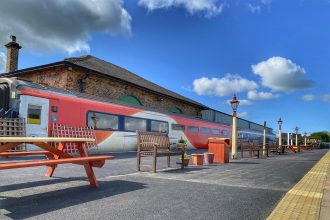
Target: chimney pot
[(13, 38)]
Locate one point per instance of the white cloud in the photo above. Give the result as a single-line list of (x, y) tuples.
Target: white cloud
[(227, 85), (207, 7), (308, 97), (61, 25), (266, 2), (253, 8), (281, 74), (242, 102), (2, 62), (243, 114), (254, 95), (326, 98)]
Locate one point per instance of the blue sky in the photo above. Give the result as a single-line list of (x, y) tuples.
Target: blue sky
[(274, 54)]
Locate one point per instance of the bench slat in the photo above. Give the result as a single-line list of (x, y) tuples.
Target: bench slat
[(13, 165), (23, 153)]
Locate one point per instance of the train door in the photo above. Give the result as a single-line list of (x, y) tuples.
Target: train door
[(35, 110)]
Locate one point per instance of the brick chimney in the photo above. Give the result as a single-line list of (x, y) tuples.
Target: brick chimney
[(12, 54)]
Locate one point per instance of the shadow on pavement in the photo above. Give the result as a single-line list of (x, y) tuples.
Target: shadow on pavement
[(244, 162), (37, 204)]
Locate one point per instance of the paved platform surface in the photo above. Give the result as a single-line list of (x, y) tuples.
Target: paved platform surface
[(242, 189), (303, 201)]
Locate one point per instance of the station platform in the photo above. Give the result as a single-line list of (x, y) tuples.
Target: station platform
[(310, 197)]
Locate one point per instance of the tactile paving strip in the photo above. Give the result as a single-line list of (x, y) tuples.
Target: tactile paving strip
[(303, 201)]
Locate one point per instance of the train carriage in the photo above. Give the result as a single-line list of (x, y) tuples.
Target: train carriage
[(115, 123)]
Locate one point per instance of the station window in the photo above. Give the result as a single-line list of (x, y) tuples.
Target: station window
[(177, 127), (159, 126), (102, 121), (225, 132), (131, 100), (193, 129), (34, 114), (205, 130), (135, 124), (216, 131), (175, 110)]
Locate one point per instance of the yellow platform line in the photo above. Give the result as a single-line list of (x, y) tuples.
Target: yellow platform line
[(303, 201)]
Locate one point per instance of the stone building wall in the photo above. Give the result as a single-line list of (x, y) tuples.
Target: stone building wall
[(67, 78)]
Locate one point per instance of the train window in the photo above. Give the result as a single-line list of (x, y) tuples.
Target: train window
[(216, 131), (102, 121), (177, 127), (205, 130), (159, 126), (225, 133), (193, 129), (134, 124), (34, 114)]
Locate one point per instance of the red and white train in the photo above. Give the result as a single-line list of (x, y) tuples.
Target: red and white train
[(115, 123)]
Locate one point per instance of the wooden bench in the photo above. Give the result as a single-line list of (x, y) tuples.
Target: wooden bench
[(273, 148), (251, 147), (155, 144)]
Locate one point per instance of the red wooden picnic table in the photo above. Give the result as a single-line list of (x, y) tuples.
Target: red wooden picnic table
[(55, 155)]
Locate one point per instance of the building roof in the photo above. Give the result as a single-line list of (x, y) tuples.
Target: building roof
[(108, 69)]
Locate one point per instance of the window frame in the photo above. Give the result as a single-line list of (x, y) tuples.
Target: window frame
[(124, 117), (105, 113), (203, 128), (151, 120), (182, 126), (34, 121), (216, 129), (198, 130)]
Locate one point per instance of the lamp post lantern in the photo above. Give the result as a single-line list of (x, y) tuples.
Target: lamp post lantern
[(305, 134), (296, 129), (234, 105), (280, 122)]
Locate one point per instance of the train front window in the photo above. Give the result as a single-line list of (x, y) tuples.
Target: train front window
[(34, 114), (159, 126), (135, 124), (102, 121)]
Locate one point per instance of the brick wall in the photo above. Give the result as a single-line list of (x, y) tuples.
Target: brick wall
[(67, 78)]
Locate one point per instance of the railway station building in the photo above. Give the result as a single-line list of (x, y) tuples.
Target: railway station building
[(94, 76)]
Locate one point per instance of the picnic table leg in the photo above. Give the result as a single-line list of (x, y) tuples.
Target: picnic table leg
[(138, 161), (51, 169), (88, 166), (154, 162)]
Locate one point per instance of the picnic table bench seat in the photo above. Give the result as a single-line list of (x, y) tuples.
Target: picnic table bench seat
[(77, 160), (155, 144), (23, 153)]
